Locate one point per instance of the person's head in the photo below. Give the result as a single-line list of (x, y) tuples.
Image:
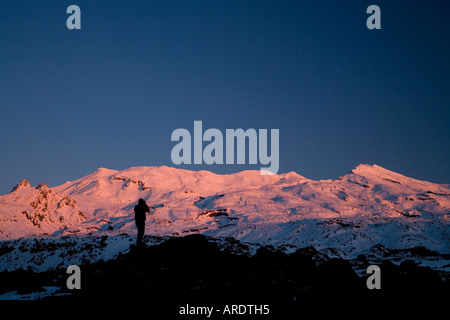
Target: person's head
[(141, 201)]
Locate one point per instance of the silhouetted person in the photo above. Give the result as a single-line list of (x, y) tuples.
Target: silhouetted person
[(140, 211)]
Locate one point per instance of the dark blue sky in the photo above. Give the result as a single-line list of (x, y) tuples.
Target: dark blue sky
[(110, 95)]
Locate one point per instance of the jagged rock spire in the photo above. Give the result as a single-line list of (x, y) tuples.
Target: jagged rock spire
[(23, 183)]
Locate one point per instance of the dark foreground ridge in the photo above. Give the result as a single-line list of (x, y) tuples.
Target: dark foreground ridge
[(192, 270)]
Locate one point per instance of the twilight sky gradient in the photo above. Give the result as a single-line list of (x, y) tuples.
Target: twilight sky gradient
[(111, 94)]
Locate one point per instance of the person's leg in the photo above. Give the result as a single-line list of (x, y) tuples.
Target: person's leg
[(140, 235)]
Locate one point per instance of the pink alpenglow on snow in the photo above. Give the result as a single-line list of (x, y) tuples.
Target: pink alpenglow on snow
[(369, 205)]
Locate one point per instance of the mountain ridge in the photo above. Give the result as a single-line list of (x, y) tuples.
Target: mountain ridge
[(368, 206)]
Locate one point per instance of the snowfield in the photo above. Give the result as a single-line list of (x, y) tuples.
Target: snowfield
[(92, 218)]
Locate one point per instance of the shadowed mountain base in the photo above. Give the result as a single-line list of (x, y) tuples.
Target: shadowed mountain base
[(193, 270)]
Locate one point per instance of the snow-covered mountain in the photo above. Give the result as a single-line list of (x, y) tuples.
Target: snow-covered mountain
[(28, 211), (370, 206)]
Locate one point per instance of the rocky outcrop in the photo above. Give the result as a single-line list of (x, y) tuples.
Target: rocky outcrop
[(21, 184)]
